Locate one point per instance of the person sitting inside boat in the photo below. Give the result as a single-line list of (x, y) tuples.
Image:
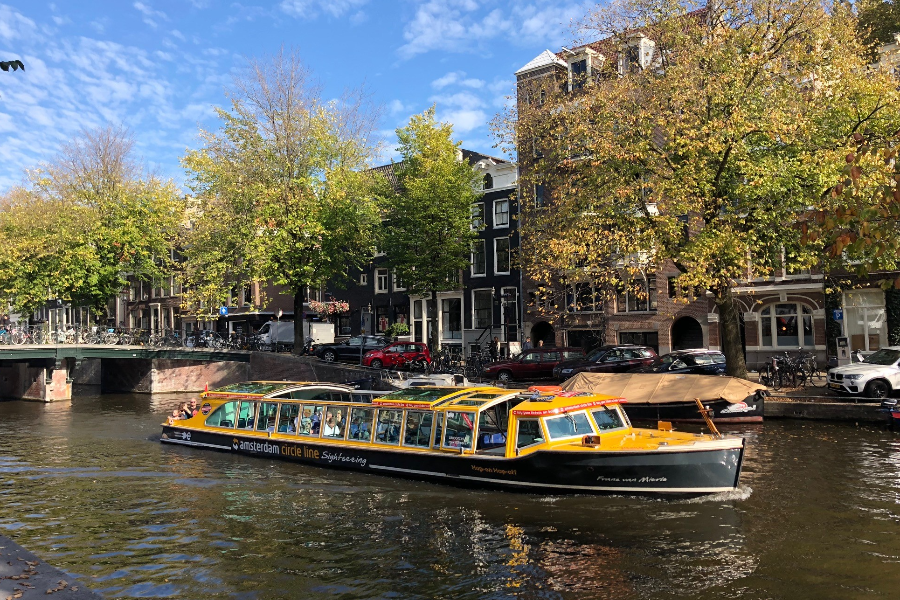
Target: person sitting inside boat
[(176, 414), (186, 411), (193, 407), (305, 427), (412, 430), (359, 430), (387, 431), (332, 429), (316, 421)]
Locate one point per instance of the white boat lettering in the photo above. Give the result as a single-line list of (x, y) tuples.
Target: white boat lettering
[(341, 457), (738, 407), (633, 479)]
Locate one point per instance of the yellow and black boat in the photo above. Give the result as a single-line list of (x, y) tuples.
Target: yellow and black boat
[(544, 440)]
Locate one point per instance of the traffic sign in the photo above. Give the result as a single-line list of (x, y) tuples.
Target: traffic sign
[(838, 314), (223, 311)]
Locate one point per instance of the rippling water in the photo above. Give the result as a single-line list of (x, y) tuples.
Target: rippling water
[(86, 486)]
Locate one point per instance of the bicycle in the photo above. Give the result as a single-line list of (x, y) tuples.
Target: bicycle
[(813, 374)]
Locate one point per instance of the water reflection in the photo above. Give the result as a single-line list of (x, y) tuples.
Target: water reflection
[(85, 485)]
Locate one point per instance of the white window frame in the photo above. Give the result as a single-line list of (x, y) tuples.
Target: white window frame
[(478, 223), (628, 292), (508, 254), (497, 203), (363, 279), (381, 277), (475, 324), (472, 262), (773, 320), (397, 287)]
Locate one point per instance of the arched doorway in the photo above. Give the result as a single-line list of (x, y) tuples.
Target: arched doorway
[(687, 333), (543, 332)]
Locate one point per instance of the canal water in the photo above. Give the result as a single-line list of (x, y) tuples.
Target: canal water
[(87, 486)]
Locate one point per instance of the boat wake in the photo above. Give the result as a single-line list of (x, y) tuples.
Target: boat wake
[(741, 493)]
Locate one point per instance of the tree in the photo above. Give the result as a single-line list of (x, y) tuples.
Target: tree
[(428, 219), (83, 222), (280, 190), (700, 139), (879, 21)]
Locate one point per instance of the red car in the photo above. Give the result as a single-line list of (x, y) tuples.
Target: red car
[(536, 363), (395, 354)]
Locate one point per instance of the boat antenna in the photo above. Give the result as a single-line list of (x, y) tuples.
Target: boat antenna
[(706, 417)]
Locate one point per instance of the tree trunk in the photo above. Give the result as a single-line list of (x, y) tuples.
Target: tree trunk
[(431, 317), (735, 365), (299, 339)]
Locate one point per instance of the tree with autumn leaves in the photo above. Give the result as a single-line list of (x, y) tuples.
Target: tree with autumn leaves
[(701, 138)]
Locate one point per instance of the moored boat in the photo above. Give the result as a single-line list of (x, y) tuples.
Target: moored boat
[(562, 442), (672, 396)]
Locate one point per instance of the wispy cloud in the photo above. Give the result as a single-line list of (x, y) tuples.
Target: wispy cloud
[(151, 16), (310, 9), (457, 78), (466, 25)]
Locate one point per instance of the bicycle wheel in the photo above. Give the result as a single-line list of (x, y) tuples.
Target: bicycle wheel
[(816, 377), (37, 336)]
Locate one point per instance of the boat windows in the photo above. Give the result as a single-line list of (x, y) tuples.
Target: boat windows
[(492, 427), (287, 418), (417, 431), (246, 415), (359, 398), (223, 416), (607, 419), (249, 387), (265, 421), (568, 425), (388, 429), (320, 394), (311, 419), (529, 433), (333, 425), (458, 430), (361, 424), (438, 428)]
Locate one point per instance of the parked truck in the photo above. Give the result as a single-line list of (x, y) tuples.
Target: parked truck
[(280, 334)]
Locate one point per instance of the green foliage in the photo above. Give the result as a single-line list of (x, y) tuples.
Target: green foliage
[(85, 221), (280, 192), (397, 329), (15, 65), (879, 21), (428, 221)]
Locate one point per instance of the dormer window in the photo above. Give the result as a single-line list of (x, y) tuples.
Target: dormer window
[(633, 59), (579, 74), (488, 182), (583, 64)]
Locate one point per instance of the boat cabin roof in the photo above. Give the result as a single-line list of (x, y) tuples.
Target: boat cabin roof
[(428, 398), (561, 403), (264, 389)]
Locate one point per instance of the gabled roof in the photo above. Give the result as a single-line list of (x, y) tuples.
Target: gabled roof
[(543, 59), (389, 171)]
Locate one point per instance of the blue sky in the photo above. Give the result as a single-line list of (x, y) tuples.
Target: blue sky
[(159, 66)]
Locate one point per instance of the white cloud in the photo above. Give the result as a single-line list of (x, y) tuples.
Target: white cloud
[(177, 34), (99, 26), (462, 109), (457, 78), (310, 9), (466, 26), (14, 25), (150, 14)]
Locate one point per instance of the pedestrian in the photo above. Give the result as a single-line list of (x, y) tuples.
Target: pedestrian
[(527, 344), (495, 348), (540, 343)]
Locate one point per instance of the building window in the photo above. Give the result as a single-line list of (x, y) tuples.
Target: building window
[(865, 319), (483, 310), (381, 319), (381, 281), (478, 215), (479, 261), (451, 318), (398, 284), (579, 74), (786, 325), (501, 213), (640, 338), (363, 279), (638, 295), (247, 300), (584, 297), (343, 324), (488, 182), (501, 256), (539, 195)]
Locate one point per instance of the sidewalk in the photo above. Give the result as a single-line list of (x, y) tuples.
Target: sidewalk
[(23, 576)]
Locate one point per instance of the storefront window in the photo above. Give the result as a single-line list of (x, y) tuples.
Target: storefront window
[(787, 325), (864, 319), (451, 318)]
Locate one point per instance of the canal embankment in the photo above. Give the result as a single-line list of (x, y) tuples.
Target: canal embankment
[(24, 576)]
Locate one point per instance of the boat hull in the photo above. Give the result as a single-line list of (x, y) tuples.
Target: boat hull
[(670, 472), (750, 411)]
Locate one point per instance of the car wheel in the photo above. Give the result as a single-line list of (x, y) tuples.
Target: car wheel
[(376, 364), (328, 356), (877, 389), (504, 376)]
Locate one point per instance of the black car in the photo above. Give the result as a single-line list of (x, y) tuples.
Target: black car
[(607, 359), (352, 349), (695, 362)]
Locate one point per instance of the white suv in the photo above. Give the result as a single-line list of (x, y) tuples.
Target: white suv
[(876, 377)]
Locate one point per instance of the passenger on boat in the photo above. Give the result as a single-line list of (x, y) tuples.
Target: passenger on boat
[(412, 429), (177, 414), (331, 427), (186, 411), (316, 421), (193, 407), (359, 430), (306, 422)]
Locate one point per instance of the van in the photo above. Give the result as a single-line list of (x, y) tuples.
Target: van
[(279, 333)]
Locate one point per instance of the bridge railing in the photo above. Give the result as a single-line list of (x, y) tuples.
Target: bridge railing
[(117, 336)]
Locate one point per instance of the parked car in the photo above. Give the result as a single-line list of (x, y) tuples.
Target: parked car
[(876, 377), (607, 359), (536, 363), (396, 354), (695, 362), (351, 349)]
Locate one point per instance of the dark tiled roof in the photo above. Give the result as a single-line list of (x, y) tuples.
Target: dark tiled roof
[(389, 171)]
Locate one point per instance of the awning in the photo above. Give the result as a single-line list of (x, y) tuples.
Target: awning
[(659, 388)]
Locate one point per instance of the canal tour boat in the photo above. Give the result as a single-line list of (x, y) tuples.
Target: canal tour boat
[(538, 440)]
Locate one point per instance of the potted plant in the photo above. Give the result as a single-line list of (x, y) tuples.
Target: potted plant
[(396, 330)]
